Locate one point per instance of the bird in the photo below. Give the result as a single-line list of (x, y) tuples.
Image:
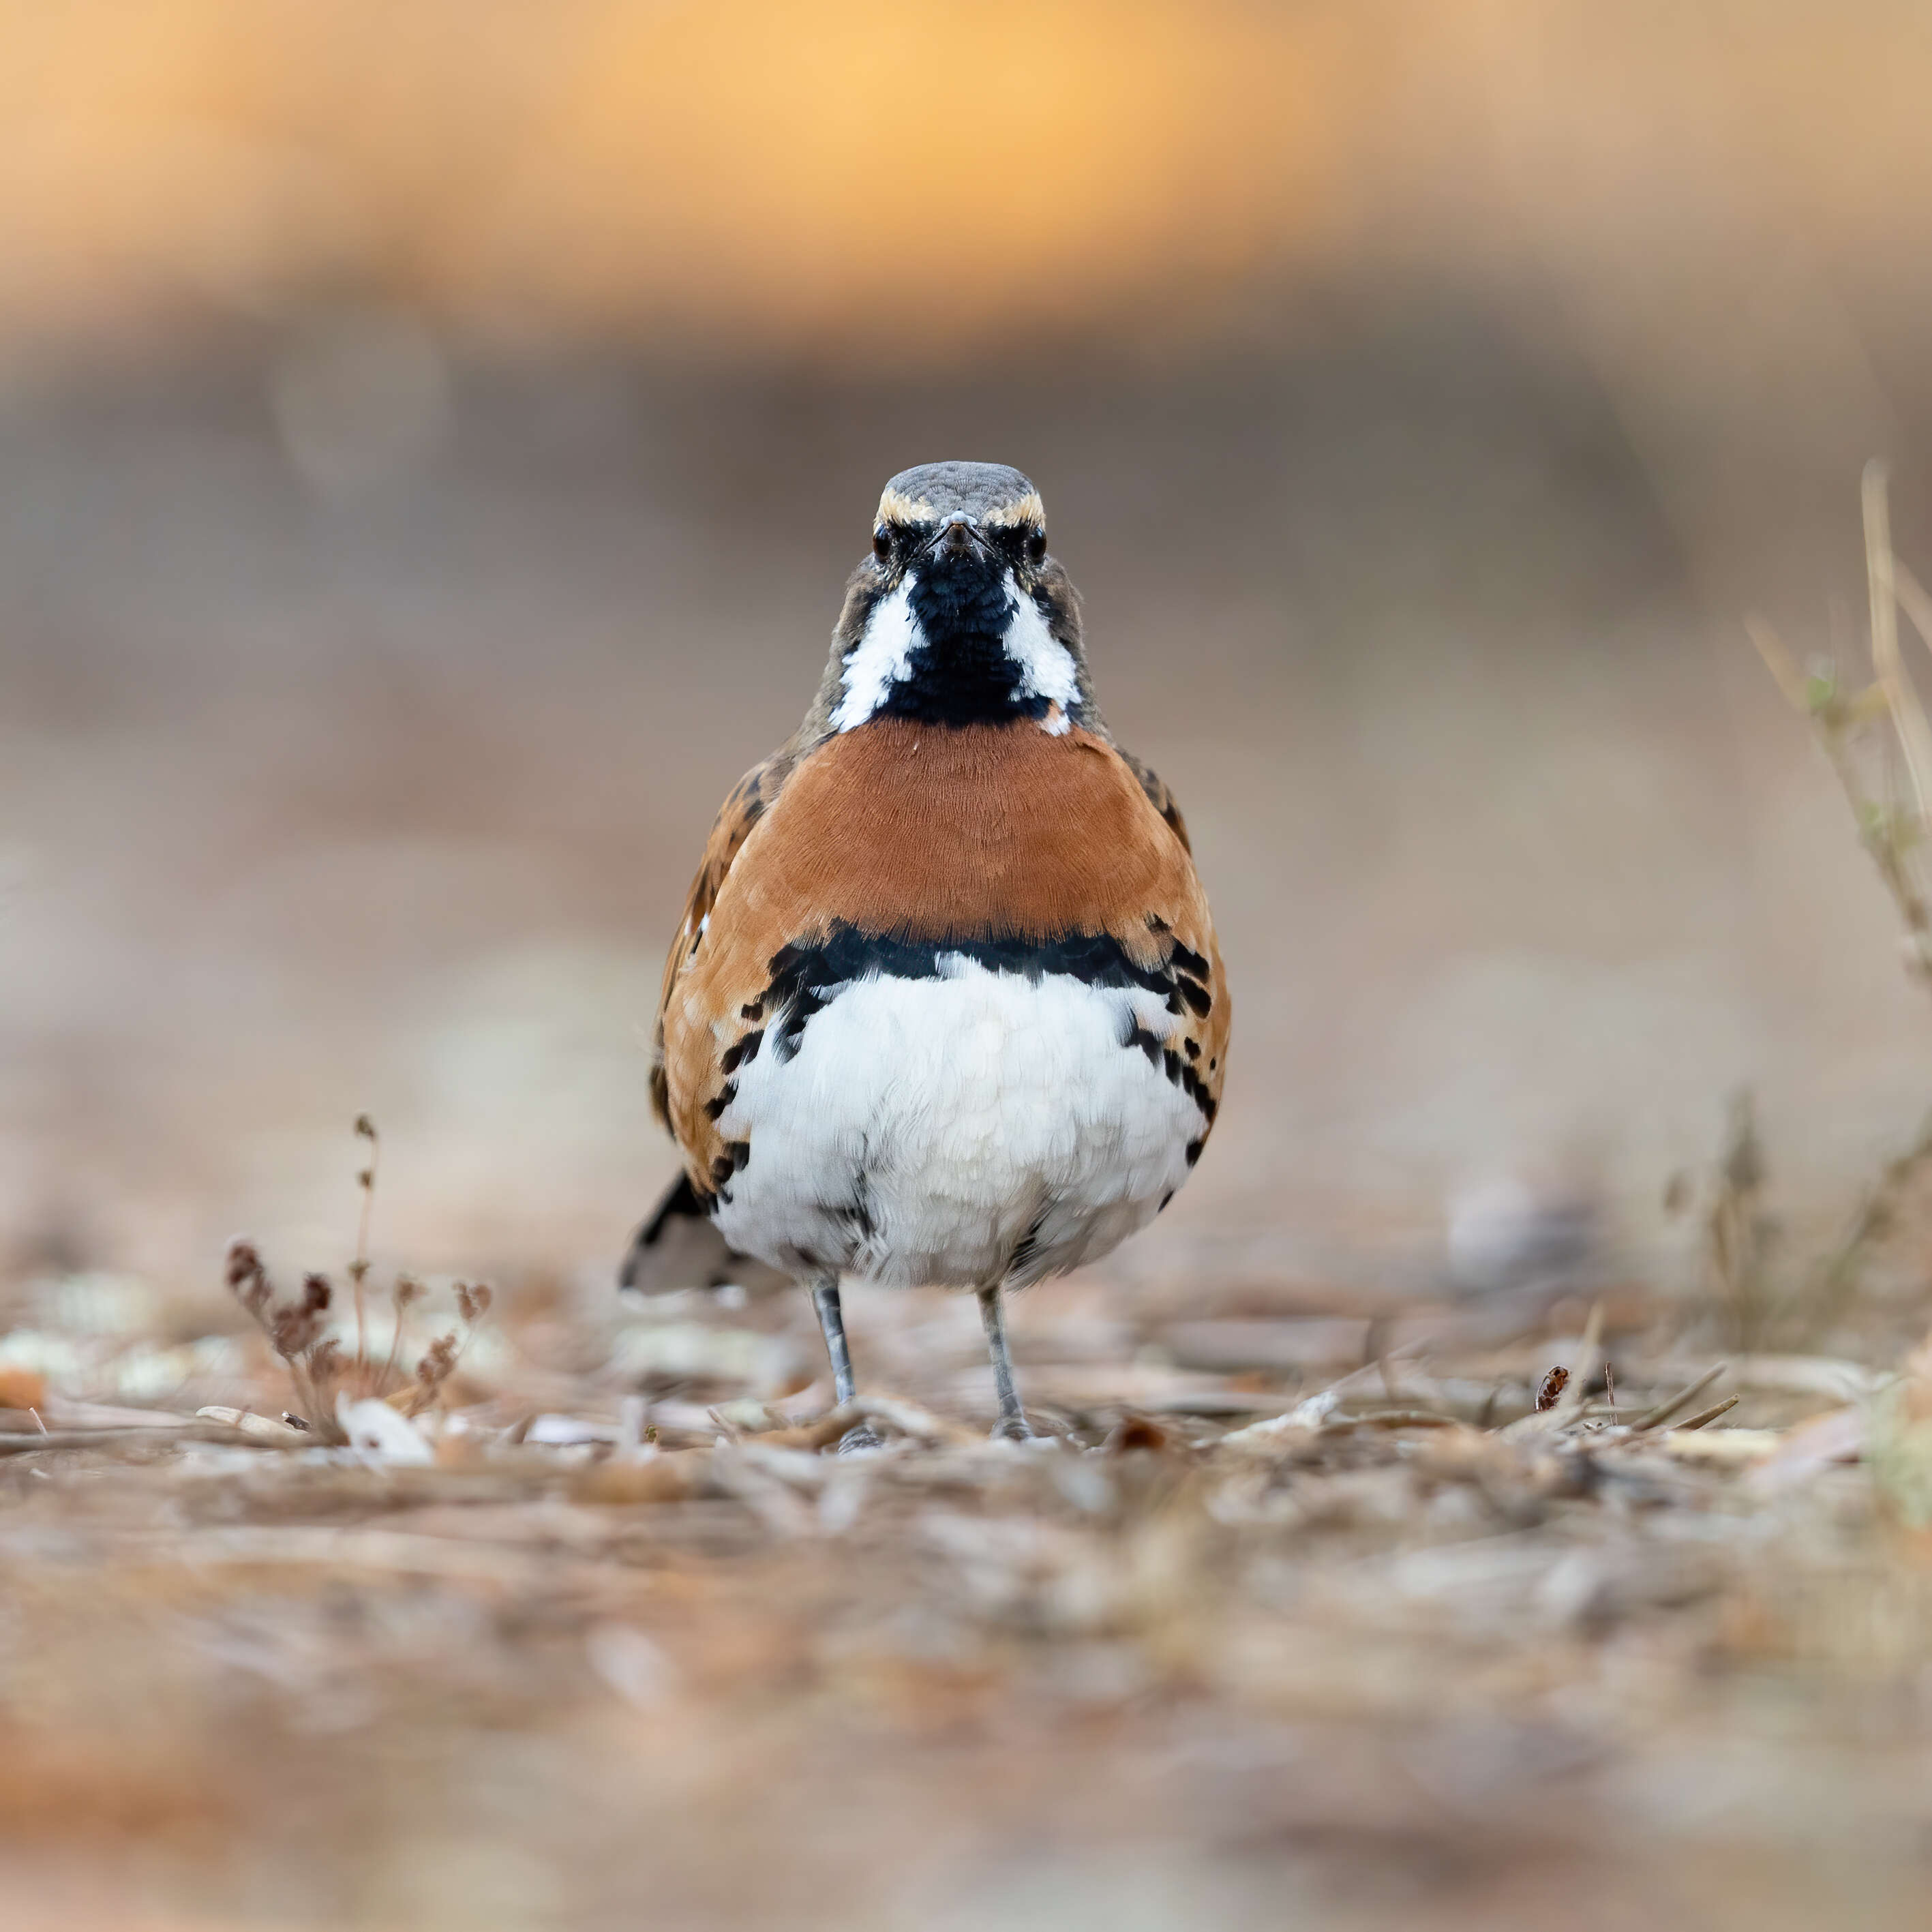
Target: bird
[(945, 1008)]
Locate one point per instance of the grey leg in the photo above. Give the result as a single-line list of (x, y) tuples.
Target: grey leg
[(1013, 1421), (831, 1325)]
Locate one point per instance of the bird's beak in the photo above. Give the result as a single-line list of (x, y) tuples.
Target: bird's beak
[(956, 539)]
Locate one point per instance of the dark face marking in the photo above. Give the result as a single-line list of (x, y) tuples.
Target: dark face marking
[(961, 672)]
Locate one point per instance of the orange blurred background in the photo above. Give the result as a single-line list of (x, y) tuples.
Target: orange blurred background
[(433, 436), (862, 183)]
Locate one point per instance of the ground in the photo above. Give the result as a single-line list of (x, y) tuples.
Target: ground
[(575, 1651)]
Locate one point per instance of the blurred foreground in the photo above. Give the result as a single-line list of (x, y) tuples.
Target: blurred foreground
[(555, 1654)]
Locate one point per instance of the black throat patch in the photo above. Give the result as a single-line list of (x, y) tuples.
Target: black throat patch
[(961, 674)]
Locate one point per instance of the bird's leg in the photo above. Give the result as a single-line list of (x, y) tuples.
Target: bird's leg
[(831, 1325), (1013, 1422)]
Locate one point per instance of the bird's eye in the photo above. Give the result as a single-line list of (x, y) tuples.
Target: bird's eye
[(882, 544), (1035, 546)]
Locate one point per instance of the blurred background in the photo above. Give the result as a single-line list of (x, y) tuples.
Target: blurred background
[(433, 437)]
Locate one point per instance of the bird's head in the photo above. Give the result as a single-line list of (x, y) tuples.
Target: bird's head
[(959, 615)]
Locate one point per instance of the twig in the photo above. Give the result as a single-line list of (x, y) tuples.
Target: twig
[(1872, 1220), (257, 1428), (358, 1269), (908, 1418), (1782, 665), (1835, 720), (1393, 1418), (1908, 714), (22, 1444), (406, 1290), (1704, 1415), (1735, 1227), (1571, 1399), (1913, 600), (1650, 1417)]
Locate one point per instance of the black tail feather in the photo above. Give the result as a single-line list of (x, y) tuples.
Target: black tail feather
[(680, 1247)]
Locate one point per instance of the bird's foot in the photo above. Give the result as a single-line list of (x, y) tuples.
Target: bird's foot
[(1013, 1428), (860, 1438)]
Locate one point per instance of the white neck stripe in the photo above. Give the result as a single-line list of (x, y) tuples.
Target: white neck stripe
[(1047, 667), (882, 658)]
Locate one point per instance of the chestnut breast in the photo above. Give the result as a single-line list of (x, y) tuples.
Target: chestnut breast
[(922, 831)]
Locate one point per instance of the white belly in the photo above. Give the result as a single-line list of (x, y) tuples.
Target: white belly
[(965, 1129)]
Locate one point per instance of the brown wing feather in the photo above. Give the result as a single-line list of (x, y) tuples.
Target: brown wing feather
[(1159, 796), (751, 798)]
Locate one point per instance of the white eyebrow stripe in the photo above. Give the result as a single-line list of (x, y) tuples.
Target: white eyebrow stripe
[(882, 657)]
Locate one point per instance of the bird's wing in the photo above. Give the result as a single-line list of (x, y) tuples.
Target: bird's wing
[(751, 798), (1159, 796), (1197, 1058)]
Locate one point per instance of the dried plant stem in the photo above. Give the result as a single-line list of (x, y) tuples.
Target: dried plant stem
[(1873, 1219), (1736, 1228), (1711, 1415), (1570, 1401), (407, 1291), (13, 1443), (1913, 599), (906, 1418), (1908, 714), (1650, 1417), (1394, 1418), (358, 1269), (1894, 834), (1889, 835)]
